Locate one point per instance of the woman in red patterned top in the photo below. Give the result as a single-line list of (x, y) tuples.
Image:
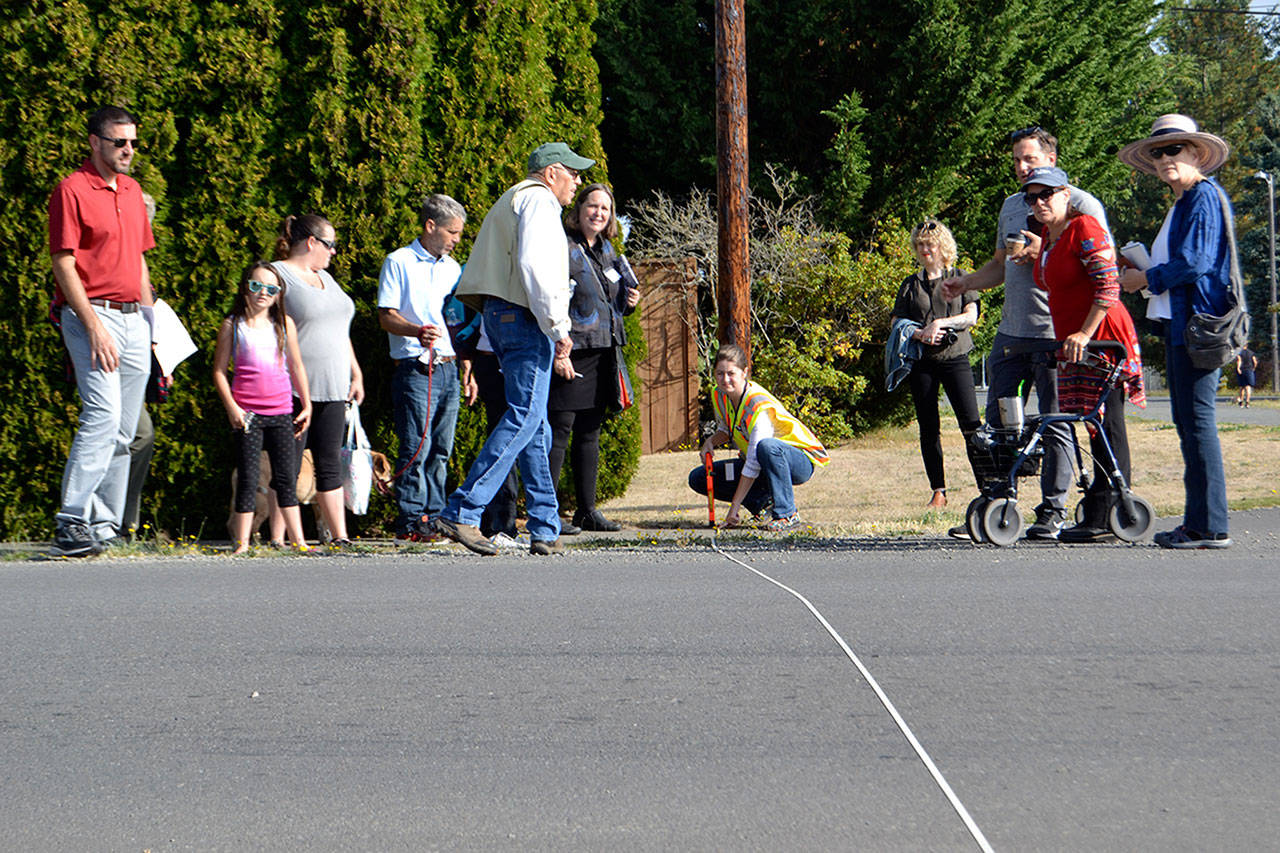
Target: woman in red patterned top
[(1077, 265)]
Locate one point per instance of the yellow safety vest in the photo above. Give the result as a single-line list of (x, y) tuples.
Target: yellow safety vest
[(756, 402)]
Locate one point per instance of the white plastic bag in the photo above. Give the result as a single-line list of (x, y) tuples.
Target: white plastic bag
[(357, 464)]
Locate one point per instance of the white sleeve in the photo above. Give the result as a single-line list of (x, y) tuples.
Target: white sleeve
[(391, 285), (542, 257), (763, 429)]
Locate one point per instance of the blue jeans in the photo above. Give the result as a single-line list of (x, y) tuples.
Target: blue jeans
[(781, 467), (1193, 397), (522, 436), (1008, 374), (420, 488), (96, 478)]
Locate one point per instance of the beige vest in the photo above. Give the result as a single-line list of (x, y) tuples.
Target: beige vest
[(491, 267)]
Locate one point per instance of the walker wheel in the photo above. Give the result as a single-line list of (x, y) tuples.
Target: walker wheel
[(1137, 527), (1080, 512), (1001, 521), (973, 519)]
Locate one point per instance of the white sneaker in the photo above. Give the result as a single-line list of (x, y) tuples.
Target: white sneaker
[(502, 540)]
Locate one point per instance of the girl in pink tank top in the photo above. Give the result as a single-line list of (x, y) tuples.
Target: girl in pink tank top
[(258, 342)]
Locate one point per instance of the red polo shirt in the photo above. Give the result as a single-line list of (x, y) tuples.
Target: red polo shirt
[(106, 229)]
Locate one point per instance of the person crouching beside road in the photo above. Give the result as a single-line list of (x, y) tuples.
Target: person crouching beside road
[(943, 333), (1077, 266), (775, 450), (412, 288), (1191, 262), (518, 277)]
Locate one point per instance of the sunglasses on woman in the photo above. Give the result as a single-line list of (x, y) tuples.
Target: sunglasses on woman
[(256, 286), (1043, 195), (1167, 150)]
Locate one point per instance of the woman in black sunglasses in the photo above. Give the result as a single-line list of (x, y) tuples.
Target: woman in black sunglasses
[(943, 333), (1190, 273)]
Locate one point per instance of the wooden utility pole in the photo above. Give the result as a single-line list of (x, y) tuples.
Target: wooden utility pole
[(734, 283)]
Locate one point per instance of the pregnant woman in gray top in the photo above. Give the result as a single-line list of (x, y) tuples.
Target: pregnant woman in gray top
[(322, 313)]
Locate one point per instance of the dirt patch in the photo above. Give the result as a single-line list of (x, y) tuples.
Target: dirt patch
[(876, 485)]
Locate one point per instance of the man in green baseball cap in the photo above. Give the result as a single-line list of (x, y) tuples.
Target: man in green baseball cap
[(518, 278)]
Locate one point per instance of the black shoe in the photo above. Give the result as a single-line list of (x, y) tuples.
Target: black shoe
[(960, 531), (567, 529), (1048, 524), (596, 522), (1084, 532), (75, 539)]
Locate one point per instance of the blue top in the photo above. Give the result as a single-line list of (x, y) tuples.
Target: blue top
[(417, 284), (1198, 272)]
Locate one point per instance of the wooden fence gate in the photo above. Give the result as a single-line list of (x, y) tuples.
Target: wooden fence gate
[(669, 373)]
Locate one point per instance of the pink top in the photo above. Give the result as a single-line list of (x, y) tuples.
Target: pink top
[(260, 383)]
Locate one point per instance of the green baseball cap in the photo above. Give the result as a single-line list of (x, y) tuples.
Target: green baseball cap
[(557, 152)]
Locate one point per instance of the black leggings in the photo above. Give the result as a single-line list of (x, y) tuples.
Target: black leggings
[(324, 437), (275, 434), (584, 455), (956, 378)]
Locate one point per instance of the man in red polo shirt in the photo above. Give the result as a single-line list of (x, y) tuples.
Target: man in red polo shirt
[(98, 231)]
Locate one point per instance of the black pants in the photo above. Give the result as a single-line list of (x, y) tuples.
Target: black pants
[(275, 434), (324, 437), (1113, 425), (584, 453), (500, 515), (956, 378)]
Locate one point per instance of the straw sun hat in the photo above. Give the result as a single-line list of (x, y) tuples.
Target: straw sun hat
[(1171, 129)]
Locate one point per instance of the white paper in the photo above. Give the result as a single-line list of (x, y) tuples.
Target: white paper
[(1136, 254), (173, 343)]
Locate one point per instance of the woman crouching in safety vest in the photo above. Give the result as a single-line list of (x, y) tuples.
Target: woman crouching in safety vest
[(776, 451)]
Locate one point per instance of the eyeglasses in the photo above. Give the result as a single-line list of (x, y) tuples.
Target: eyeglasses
[(926, 226), (331, 245), (573, 173), (121, 142), (256, 286), (1167, 150), (1024, 133), (1043, 195)]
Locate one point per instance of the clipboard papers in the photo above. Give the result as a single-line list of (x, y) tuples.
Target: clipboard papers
[(173, 343)]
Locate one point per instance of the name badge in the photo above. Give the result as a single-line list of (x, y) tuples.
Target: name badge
[(613, 275)]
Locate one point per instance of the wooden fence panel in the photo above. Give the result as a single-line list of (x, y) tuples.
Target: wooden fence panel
[(669, 404)]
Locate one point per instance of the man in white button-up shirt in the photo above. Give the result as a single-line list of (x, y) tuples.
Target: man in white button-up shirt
[(412, 289)]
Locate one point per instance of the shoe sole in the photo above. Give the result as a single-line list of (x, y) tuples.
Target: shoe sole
[(91, 550), (484, 548)]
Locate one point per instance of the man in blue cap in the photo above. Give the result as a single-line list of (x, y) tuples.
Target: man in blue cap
[(1025, 319), (518, 278)]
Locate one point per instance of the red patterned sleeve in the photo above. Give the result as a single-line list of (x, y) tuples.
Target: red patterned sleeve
[(1097, 256)]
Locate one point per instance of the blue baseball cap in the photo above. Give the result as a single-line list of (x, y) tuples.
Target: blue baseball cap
[(1047, 176)]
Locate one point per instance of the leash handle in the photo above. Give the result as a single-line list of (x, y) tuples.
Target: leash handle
[(711, 491)]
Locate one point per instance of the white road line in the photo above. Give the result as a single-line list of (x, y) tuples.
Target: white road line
[(880, 694)]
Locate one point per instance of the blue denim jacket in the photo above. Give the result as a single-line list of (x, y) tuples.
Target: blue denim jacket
[(1198, 272), (901, 352)]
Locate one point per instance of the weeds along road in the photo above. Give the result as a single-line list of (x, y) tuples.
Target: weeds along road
[(1074, 698)]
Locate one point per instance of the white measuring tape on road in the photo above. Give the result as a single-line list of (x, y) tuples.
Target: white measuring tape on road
[(880, 694)]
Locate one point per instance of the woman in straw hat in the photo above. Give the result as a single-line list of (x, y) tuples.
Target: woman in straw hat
[(1191, 263)]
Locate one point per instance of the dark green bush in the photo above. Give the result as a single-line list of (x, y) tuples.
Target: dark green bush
[(250, 111)]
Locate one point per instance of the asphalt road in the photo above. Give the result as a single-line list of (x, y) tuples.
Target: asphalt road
[(1095, 698)]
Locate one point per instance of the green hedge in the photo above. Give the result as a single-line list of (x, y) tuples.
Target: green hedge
[(250, 111)]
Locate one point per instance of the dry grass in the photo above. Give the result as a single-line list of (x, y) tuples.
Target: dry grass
[(875, 485)]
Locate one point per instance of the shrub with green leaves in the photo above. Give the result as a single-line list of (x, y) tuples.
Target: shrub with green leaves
[(247, 112)]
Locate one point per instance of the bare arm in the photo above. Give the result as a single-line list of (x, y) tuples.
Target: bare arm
[(396, 323), (356, 391), (298, 375), (221, 361)]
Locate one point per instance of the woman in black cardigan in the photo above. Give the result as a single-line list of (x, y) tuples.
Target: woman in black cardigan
[(604, 291)]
